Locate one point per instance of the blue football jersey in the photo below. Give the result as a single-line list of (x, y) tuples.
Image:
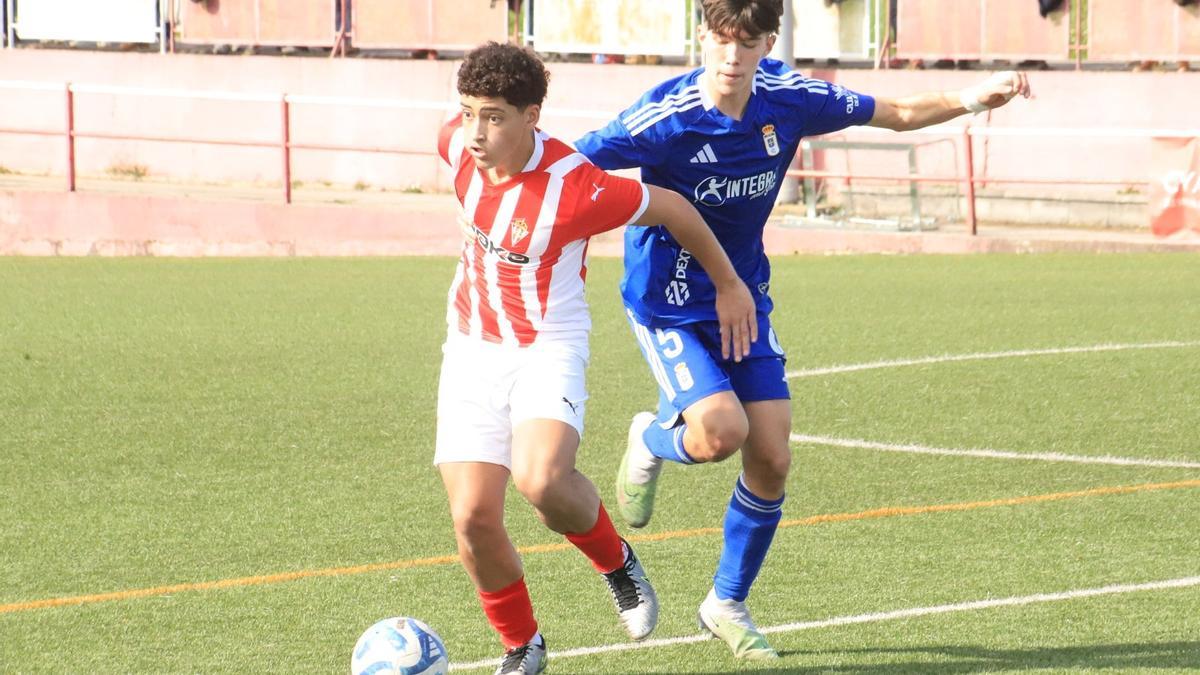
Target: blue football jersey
[(730, 170)]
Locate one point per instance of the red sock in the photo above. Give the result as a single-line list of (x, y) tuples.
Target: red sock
[(510, 612), (601, 544)]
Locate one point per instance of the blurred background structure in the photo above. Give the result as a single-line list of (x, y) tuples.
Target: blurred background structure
[(310, 99), (886, 33)]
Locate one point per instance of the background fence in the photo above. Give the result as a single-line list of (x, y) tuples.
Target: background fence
[(1081, 31), (980, 29), (89, 116), (1143, 29), (428, 24), (255, 22)]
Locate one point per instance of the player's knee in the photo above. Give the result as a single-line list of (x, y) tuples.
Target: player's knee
[(778, 464), (716, 445), (477, 524), (539, 486), (721, 435), (769, 468), (723, 444)]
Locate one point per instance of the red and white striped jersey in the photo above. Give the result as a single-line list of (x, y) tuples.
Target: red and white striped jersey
[(523, 276)]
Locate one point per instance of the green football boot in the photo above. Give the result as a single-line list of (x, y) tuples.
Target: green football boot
[(730, 621), (637, 477)]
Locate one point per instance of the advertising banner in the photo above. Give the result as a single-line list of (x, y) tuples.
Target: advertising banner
[(428, 24), (118, 21), (1175, 188), (611, 27)]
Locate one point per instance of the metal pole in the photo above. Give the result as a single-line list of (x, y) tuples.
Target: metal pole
[(339, 43), (70, 138), (286, 146), (11, 6), (784, 50), (340, 11), (528, 27), (1079, 34), (968, 149), (163, 8), (691, 29), (807, 162)]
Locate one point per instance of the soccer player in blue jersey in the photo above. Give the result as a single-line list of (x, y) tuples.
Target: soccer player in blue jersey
[(722, 136)]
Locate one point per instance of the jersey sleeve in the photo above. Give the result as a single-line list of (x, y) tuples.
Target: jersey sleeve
[(613, 147), (833, 108), (605, 202), (450, 143)]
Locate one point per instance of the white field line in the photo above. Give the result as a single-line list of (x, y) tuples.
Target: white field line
[(1017, 601), (950, 358), (993, 454)]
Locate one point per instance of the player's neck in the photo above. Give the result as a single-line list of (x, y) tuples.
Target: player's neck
[(731, 103), (513, 166)]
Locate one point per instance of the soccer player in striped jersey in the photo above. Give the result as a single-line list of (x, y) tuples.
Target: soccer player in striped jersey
[(511, 394), (722, 136)]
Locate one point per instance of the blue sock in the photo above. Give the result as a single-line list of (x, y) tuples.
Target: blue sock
[(667, 443), (750, 525)]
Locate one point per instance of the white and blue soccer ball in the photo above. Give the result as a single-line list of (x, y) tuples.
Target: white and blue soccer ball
[(399, 646)]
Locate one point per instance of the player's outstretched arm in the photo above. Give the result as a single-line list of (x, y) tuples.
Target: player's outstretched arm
[(735, 307), (922, 110)]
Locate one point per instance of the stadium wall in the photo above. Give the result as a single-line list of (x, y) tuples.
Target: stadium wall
[(92, 222), (576, 104)]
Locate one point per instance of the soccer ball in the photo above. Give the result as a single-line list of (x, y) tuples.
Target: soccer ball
[(399, 646)]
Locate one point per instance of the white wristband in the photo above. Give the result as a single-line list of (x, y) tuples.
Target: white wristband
[(969, 98)]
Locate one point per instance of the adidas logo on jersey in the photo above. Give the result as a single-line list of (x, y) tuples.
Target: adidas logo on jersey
[(705, 156)]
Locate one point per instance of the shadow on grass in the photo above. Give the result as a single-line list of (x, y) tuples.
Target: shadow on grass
[(966, 659)]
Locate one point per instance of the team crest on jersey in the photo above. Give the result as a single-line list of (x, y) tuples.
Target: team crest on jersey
[(517, 230), (684, 376), (770, 140)]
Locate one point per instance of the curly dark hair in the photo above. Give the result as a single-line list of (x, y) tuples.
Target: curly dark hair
[(505, 71), (753, 17)]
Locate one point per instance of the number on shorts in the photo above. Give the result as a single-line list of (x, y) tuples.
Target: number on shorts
[(669, 337)]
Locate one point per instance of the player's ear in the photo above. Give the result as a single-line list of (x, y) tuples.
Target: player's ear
[(533, 113), (771, 42)]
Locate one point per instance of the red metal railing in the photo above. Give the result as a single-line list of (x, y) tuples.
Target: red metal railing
[(285, 144), (970, 180)]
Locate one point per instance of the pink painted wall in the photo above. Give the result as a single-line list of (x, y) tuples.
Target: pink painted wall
[(51, 223), (376, 78), (582, 97), (35, 223)]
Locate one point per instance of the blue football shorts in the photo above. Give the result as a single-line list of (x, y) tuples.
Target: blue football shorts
[(687, 365)]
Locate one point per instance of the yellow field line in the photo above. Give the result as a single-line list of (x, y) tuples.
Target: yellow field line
[(548, 548)]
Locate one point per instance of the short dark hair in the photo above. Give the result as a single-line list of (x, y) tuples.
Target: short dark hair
[(753, 17), (506, 71)]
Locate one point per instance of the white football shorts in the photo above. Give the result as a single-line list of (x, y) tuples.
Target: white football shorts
[(486, 390)]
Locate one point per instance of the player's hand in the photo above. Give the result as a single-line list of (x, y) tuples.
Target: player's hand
[(996, 91), (738, 318)]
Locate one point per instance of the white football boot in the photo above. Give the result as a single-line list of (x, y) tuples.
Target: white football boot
[(730, 621), (528, 659), (636, 601), (637, 477)]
